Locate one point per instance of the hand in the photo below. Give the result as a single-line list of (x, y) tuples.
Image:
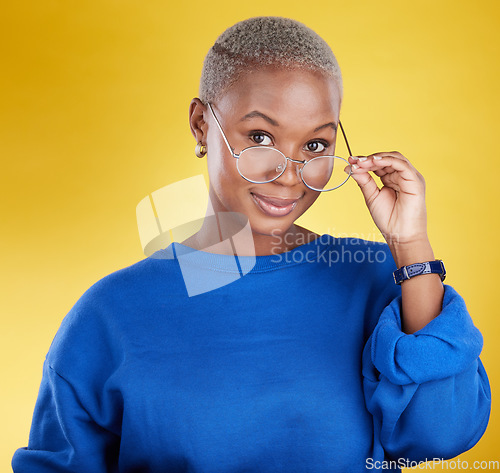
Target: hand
[(398, 208)]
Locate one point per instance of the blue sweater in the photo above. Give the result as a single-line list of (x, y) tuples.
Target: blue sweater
[(194, 362)]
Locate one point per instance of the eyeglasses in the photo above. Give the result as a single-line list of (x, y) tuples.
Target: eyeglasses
[(261, 164)]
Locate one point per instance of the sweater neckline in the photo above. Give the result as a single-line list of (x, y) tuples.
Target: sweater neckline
[(244, 264)]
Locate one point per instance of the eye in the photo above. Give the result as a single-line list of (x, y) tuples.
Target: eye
[(316, 146), (261, 139)]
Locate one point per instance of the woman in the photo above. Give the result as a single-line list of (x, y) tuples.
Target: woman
[(292, 351)]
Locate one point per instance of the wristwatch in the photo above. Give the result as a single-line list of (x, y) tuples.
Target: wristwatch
[(429, 267)]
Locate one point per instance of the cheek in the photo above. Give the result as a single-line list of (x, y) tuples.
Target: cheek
[(219, 162), (309, 199), (222, 170), (224, 178)]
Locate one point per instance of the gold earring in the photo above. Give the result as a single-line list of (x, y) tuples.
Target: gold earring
[(200, 150)]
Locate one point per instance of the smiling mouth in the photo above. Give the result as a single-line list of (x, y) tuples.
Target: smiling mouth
[(274, 206)]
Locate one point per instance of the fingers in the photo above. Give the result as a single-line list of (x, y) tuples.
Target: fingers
[(380, 163), (392, 167)]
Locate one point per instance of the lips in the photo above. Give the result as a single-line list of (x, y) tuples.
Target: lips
[(274, 206)]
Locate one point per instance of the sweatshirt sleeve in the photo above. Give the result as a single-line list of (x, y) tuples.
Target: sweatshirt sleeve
[(63, 436), (428, 391)]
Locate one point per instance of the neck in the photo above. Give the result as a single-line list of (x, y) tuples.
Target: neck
[(281, 242), (230, 233)]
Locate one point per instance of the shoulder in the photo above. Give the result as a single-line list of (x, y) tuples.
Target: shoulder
[(107, 311), (131, 283)]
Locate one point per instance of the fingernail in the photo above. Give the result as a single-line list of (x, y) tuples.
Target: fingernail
[(354, 166), (354, 157), (377, 157), (363, 159)]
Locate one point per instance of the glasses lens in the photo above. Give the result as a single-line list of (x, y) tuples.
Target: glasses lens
[(325, 173), (261, 164)]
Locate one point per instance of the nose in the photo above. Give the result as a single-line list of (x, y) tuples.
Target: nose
[(291, 176)]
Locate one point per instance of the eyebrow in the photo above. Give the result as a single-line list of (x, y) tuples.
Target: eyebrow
[(329, 124), (256, 113)]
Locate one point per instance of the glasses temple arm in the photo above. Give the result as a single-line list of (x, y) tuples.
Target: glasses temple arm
[(345, 138), (221, 130)]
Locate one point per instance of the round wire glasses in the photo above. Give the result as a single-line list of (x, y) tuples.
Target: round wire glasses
[(261, 164)]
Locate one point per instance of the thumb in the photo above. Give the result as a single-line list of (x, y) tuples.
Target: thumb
[(366, 183)]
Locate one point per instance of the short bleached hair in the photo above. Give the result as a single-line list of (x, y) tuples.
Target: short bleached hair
[(260, 42)]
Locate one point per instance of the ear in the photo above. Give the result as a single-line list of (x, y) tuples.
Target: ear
[(197, 111)]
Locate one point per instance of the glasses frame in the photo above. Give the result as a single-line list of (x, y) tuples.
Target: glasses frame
[(287, 158)]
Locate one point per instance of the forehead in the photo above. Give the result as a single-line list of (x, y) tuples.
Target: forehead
[(286, 94)]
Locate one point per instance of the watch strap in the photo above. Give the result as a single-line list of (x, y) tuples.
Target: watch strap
[(412, 270)]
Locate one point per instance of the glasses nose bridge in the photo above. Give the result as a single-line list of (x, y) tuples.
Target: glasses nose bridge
[(297, 161)]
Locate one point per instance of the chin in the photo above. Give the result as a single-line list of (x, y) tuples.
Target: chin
[(268, 226)]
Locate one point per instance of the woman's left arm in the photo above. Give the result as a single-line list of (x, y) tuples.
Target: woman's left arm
[(423, 380), (398, 209)]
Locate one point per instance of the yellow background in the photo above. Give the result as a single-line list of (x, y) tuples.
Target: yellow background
[(94, 102)]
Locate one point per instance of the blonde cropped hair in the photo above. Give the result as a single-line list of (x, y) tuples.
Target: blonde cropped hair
[(264, 41)]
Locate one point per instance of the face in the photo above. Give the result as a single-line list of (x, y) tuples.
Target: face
[(295, 111)]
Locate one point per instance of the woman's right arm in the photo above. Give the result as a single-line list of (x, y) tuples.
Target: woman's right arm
[(76, 424), (63, 436)]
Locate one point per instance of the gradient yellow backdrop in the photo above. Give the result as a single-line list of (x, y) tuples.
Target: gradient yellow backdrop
[(93, 117)]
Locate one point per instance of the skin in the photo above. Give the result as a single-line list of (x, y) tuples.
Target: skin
[(298, 111)]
